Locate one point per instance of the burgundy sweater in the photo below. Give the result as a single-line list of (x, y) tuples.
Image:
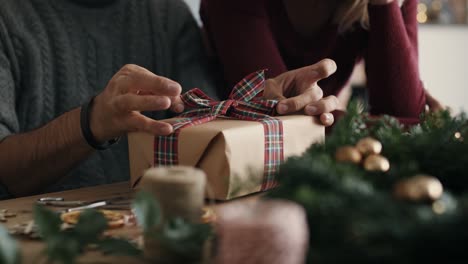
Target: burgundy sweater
[(248, 35)]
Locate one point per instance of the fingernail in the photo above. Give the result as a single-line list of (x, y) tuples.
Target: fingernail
[(311, 110), (179, 108), (327, 117), (161, 101), (282, 108), (165, 130), (172, 87)]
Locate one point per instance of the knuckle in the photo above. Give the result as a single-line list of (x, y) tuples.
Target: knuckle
[(162, 103), (135, 124), (318, 92), (113, 82), (121, 82), (315, 94), (128, 68), (272, 90), (296, 104), (122, 105), (320, 106), (143, 126), (274, 96), (147, 100), (335, 101), (326, 105)]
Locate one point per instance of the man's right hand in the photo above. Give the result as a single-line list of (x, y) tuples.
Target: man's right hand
[(117, 110)]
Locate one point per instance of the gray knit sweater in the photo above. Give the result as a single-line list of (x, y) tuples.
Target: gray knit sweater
[(56, 54)]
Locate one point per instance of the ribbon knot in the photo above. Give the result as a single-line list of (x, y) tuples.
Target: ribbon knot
[(223, 107), (245, 102)]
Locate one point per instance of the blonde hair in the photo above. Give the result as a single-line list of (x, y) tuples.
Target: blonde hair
[(353, 11)]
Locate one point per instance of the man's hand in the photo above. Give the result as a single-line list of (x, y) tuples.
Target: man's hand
[(31, 161), (298, 90), (133, 89)]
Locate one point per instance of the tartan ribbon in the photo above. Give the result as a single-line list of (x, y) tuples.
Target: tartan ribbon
[(245, 102)]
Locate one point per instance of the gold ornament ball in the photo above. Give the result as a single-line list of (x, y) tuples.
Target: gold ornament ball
[(419, 188), (369, 146), (376, 162), (348, 154)]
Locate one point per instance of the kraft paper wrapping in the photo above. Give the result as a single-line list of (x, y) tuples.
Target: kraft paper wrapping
[(230, 152)]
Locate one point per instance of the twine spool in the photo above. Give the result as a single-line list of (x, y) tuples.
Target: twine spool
[(263, 232), (180, 192)]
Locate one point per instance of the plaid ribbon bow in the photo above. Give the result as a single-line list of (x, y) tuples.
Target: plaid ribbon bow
[(245, 103)]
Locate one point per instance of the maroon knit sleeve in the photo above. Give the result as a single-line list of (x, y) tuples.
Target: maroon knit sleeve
[(392, 61), (240, 32)]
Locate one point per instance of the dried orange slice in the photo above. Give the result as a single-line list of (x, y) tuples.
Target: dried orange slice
[(209, 215), (114, 219)]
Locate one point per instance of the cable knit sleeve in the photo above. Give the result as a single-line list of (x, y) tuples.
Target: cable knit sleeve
[(190, 67), (392, 61), (242, 37), (8, 118)]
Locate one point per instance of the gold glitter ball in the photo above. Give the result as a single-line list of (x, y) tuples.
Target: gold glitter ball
[(419, 188), (369, 146), (348, 154), (376, 162)]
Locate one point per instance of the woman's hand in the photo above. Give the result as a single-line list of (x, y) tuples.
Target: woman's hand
[(131, 90), (298, 90), (433, 104)]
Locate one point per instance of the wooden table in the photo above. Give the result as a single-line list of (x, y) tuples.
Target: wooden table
[(31, 249)]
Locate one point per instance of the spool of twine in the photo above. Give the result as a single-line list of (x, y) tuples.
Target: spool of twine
[(263, 232), (180, 192)]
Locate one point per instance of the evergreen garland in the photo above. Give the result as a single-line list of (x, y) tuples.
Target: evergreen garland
[(352, 214)]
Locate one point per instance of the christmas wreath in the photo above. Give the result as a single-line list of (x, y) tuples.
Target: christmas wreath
[(378, 192)]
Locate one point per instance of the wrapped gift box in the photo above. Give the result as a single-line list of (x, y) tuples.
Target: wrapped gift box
[(230, 152)]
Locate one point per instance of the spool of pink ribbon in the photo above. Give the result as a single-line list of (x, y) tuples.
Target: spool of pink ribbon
[(261, 232)]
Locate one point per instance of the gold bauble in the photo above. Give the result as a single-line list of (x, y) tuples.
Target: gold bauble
[(369, 146), (419, 188), (348, 154), (376, 162)]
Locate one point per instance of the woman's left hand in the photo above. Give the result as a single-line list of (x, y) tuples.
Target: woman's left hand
[(433, 104)]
